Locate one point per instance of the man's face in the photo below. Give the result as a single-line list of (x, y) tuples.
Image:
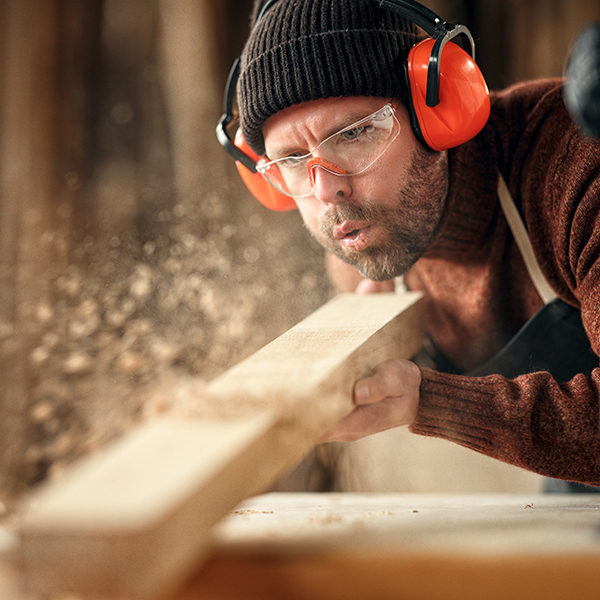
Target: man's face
[(382, 220)]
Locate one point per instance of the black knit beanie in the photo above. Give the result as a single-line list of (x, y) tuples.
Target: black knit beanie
[(305, 50)]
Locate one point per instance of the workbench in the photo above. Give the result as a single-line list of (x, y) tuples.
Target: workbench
[(330, 546), (405, 547)]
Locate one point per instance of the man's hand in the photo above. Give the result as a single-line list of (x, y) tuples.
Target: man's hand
[(368, 286), (388, 398)]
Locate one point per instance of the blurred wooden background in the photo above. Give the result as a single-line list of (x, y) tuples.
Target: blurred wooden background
[(130, 255)]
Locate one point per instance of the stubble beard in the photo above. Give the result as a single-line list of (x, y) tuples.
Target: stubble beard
[(410, 225)]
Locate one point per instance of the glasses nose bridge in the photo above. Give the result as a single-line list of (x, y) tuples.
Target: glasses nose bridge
[(318, 161)]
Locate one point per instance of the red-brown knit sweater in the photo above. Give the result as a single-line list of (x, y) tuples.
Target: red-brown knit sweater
[(478, 293)]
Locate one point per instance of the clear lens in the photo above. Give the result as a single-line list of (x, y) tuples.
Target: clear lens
[(352, 150)]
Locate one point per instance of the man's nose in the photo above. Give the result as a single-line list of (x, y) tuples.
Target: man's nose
[(327, 180)]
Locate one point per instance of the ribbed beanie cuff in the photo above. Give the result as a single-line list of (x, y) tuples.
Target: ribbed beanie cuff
[(310, 49)]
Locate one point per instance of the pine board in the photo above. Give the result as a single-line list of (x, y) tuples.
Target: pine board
[(134, 520)]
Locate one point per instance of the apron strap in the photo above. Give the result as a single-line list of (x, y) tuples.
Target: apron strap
[(522, 238)]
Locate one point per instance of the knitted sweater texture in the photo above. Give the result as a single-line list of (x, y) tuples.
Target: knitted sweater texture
[(477, 292)]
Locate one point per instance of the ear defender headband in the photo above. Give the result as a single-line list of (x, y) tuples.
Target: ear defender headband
[(448, 97), (245, 158)]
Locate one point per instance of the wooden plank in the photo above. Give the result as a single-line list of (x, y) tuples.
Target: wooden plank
[(410, 546), (134, 520)]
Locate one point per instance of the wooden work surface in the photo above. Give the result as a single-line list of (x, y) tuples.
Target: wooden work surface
[(282, 546), (405, 547)]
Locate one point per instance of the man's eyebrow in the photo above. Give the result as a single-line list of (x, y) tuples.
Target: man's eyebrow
[(348, 120), (285, 152)]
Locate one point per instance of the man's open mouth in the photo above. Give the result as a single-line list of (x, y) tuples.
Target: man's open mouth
[(354, 235)]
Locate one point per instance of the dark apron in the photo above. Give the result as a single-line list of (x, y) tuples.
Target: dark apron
[(553, 340)]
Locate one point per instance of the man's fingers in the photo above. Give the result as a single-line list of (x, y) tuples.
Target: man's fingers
[(360, 422), (389, 398), (367, 286), (387, 381)]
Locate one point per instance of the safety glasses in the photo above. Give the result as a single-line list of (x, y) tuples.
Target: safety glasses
[(350, 151)]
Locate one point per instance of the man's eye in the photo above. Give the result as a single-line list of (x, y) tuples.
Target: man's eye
[(289, 162), (352, 134)]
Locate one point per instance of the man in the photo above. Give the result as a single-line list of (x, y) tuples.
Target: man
[(324, 101)]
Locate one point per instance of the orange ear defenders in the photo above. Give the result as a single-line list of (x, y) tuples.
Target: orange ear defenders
[(245, 158), (448, 102), (258, 186)]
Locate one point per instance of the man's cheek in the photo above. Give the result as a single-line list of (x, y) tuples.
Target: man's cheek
[(311, 221)]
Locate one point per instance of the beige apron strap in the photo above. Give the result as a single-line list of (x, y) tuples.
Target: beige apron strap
[(522, 238)]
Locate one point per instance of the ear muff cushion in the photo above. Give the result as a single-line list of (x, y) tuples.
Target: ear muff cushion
[(265, 193), (464, 105)]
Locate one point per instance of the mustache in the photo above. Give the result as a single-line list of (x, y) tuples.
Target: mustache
[(347, 212)]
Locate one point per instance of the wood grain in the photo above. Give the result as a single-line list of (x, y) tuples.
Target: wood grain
[(134, 520)]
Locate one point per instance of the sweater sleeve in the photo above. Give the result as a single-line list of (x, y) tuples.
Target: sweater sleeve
[(532, 421)]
